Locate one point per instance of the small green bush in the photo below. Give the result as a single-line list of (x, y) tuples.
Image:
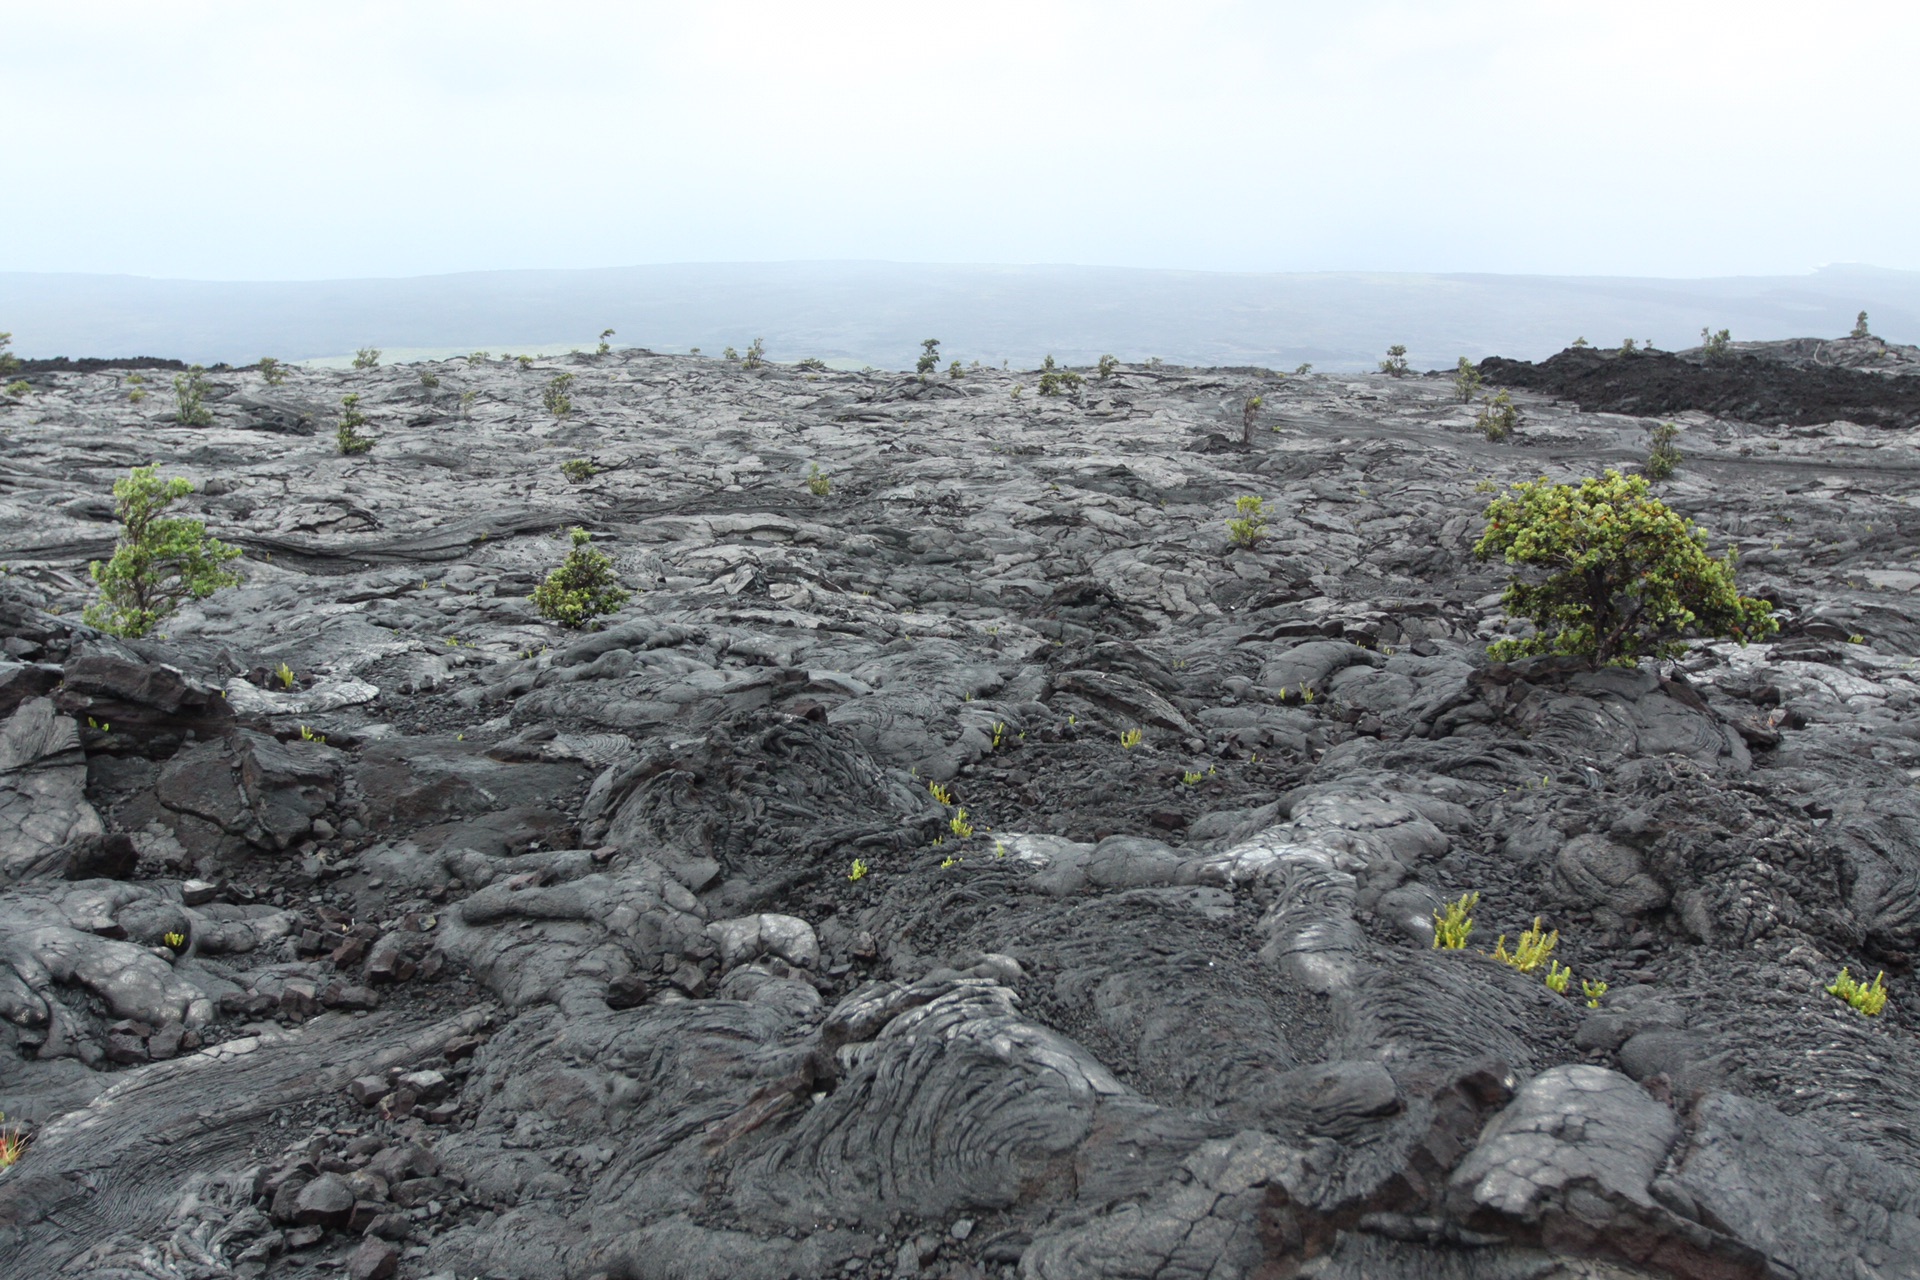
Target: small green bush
[(929, 356), (272, 371), (1248, 525), (955, 372), (1663, 458), (18, 388), (554, 398), (1249, 410), (1867, 998), (1580, 344), (8, 361), (138, 384), (367, 358), (1466, 380), (812, 364), (578, 470), (1454, 925), (1715, 345), (1624, 576), (525, 362), (159, 561), (429, 379), (1054, 381), (1628, 346), (605, 347), (1499, 417), (190, 398), (756, 355), (478, 358), (1107, 367), (1859, 327), (582, 588), (1302, 370), (347, 436), (819, 483), (1396, 361)]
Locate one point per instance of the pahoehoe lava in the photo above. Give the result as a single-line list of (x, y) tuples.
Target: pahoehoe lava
[(365, 923)]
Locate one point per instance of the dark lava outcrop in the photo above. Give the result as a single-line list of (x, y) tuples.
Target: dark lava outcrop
[(366, 924)]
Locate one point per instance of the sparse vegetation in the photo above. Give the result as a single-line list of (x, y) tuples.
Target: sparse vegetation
[(1592, 991), (1249, 410), (1558, 976), (582, 588), (819, 483), (1532, 950), (1302, 369), (1453, 923), (1396, 362), (1625, 577), (347, 435), (1628, 346), (1867, 998), (1466, 381), (525, 362), (159, 562), (272, 372), (429, 379), (478, 358), (1580, 344), (1129, 739), (554, 398), (955, 372), (1107, 366), (1663, 458), (578, 470), (1715, 345), (284, 674), (190, 398), (940, 794), (1499, 417), (1054, 380), (18, 388), (10, 362), (1859, 327), (139, 391), (929, 356), (367, 358), (959, 824), (13, 1143), (858, 871), (811, 364), (1248, 525), (756, 355), (605, 347)]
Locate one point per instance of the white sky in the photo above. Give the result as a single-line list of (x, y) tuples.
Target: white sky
[(266, 140)]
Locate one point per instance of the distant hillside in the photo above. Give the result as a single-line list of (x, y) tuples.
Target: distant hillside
[(876, 313)]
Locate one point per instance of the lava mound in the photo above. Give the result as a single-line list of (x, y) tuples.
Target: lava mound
[(1742, 385)]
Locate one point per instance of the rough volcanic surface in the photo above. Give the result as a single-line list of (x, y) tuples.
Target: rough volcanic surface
[(1800, 383), (366, 924)]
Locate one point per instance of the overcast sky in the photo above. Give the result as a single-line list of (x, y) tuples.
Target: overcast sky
[(334, 139)]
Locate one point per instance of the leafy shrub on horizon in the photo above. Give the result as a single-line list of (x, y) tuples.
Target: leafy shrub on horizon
[(347, 436), (582, 588), (1248, 526), (1054, 380), (1716, 345), (1396, 362), (1625, 577), (160, 560), (929, 356), (8, 361), (1466, 380), (955, 372), (190, 398), (578, 470), (605, 347), (756, 355), (272, 371), (1107, 366), (1499, 417), (367, 358), (1249, 410), (1859, 327), (554, 398), (1663, 458)]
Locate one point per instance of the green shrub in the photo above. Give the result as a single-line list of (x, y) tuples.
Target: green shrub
[(1581, 344), (819, 483), (1249, 410), (1466, 380), (1662, 458), (1248, 525), (955, 372), (605, 347), (367, 358), (159, 561), (8, 361), (578, 470), (929, 356), (554, 398), (272, 371), (1625, 577), (1627, 347), (1867, 999), (1715, 345), (1302, 370), (1499, 417), (347, 436), (18, 387), (729, 354), (478, 358), (466, 403), (1107, 367), (1535, 945), (525, 362), (582, 588), (138, 384), (1396, 361), (756, 355), (429, 379), (1454, 925), (189, 397), (1054, 381), (812, 364), (1859, 327)]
